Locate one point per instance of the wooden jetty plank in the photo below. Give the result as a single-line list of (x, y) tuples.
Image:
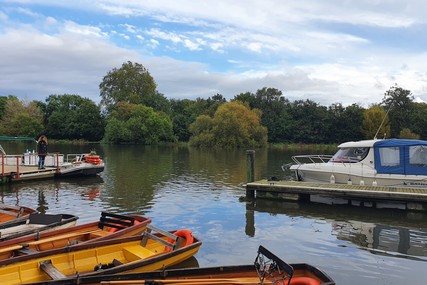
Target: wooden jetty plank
[(374, 193)]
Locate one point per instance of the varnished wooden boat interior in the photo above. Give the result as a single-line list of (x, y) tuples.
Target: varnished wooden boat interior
[(11, 213), (36, 222)]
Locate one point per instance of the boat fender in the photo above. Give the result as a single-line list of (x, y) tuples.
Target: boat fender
[(299, 280), (184, 233)]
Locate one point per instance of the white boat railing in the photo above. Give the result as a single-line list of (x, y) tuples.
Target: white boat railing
[(311, 158)]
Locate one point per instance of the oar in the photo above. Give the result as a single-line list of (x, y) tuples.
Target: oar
[(199, 281)]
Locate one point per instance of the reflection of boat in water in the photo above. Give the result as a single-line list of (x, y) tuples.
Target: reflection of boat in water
[(267, 269), (16, 167), (387, 162), (386, 231)]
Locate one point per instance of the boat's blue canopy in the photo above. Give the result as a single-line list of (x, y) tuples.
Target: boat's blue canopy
[(401, 156)]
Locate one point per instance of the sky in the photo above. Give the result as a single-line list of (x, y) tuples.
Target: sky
[(326, 51)]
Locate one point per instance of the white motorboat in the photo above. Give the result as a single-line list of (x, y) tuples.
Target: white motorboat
[(378, 162)]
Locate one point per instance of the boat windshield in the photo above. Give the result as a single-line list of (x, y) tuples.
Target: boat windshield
[(350, 154)]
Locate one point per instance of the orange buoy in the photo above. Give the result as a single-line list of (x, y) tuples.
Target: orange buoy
[(184, 233)]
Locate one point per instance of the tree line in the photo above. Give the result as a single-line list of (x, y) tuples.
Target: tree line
[(132, 111)]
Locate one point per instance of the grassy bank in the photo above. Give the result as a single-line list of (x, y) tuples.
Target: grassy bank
[(305, 148)]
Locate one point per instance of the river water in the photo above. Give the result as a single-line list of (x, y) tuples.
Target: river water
[(182, 187)]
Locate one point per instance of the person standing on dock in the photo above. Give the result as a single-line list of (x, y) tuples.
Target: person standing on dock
[(42, 150)]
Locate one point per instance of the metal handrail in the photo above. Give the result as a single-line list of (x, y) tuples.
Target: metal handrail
[(313, 158)]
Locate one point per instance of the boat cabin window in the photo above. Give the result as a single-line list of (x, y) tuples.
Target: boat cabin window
[(418, 155), (389, 156), (350, 154)]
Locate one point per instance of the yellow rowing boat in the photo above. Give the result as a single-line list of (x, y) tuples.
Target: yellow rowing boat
[(267, 269), (153, 250)]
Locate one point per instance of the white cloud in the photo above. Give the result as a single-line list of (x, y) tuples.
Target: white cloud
[(324, 51)]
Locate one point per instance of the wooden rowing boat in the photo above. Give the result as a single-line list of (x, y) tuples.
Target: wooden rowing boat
[(11, 213), (147, 252), (35, 222), (109, 226), (267, 269)]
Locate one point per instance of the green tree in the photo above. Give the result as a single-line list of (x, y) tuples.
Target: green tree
[(418, 119), (344, 123), (400, 104), (375, 123), (73, 117), (20, 119), (3, 100), (139, 124), (233, 125), (132, 83), (309, 122), (274, 108)]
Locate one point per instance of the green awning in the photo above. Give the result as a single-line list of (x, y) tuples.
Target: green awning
[(10, 138)]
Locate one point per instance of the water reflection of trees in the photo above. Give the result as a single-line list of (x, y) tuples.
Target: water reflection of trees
[(378, 230)]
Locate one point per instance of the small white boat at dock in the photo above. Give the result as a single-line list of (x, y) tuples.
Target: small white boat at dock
[(378, 162)]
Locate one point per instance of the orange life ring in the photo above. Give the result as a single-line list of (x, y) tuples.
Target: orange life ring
[(184, 233), (94, 159)]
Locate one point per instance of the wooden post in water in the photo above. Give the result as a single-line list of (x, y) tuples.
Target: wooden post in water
[(250, 171)]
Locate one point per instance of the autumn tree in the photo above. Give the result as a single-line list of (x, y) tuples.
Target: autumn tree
[(275, 112), (408, 134), (132, 83), (234, 124), (375, 123), (21, 119)]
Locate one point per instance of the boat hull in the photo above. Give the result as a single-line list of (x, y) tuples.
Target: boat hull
[(325, 174), (84, 169)]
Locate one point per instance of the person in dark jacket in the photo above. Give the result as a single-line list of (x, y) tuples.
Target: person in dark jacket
[(42, 150)]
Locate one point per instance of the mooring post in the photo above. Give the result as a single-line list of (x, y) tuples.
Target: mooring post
[(250, 171)]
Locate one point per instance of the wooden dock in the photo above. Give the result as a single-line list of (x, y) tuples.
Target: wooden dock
[(364, 196), (14, 173)]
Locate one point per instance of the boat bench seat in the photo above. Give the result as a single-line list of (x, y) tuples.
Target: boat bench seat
[(98, 234), (44, 219), (48, 268), (25, 251), (136, 252)]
